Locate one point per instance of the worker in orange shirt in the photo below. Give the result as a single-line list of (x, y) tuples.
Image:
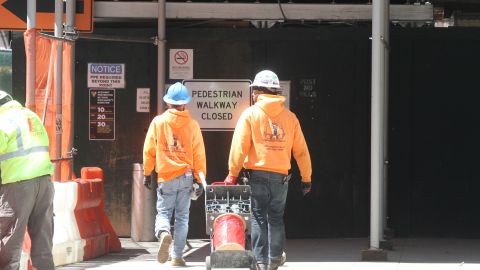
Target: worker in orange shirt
[(265, 137), (174, 147)]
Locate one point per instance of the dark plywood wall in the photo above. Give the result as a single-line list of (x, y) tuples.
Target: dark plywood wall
[(433, 113), (334, 114), (434, 135), (117, 156)]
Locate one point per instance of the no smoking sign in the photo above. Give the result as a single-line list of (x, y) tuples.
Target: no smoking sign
[(181, 64), (181, 57)]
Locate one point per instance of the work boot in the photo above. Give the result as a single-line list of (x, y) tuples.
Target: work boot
[(178, 261), (275, 263), (284, 258), (262, 266), (165, 240)]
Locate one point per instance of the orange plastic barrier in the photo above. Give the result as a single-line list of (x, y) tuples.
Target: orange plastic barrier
[(114, 244), (89, 217), (91, 173), (229, 232)]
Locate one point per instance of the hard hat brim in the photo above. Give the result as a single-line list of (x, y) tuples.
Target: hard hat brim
[(176, 102), (265, 85)]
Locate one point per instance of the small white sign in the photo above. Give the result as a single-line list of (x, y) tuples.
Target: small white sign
[(106, 76), (181, 64), (217, 104), (143, 99), (285, 91)]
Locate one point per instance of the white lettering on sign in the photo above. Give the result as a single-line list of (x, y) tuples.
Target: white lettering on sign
[(106, 68), (101, 75), (217, 104)]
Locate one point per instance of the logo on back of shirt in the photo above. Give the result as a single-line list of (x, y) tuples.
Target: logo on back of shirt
[(174, 144), (273, 132)]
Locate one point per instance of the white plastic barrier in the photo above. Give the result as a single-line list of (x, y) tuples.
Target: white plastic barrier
[(24, 260), (68, 246)]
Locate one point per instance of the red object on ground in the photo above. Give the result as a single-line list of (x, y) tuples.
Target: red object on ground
[(89, 217), (229, 232), (97, 226)]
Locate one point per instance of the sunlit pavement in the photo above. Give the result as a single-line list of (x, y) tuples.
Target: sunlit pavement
[(312, 254)]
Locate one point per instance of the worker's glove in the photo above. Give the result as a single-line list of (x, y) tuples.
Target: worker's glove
[(230, 180), (199, 191), (148, 181), (306, 187)]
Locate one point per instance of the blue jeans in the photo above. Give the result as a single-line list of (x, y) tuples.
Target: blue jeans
[(174, 195), (269, 194)]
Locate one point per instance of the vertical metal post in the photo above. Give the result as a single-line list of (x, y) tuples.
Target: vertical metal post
[(143, 208), (58, 87), (377, 122), (386, 51), (31, 62), (161, 55), (70, 27)]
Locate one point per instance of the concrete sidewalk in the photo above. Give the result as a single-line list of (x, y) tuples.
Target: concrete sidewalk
[(312, 254)]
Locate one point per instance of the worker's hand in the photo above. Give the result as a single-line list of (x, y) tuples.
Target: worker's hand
[(230, 180), (148, 181), (306, 187), (198, 191)]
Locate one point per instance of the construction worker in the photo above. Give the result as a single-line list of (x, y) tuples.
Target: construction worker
[(174, 147), (265, 136), (26, 190)]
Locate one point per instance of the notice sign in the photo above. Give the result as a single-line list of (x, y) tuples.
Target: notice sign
[(181, 64), (101, 75), (102, 114), (217, 104)]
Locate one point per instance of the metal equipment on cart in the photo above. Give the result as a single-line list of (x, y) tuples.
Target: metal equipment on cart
[(228, 222)]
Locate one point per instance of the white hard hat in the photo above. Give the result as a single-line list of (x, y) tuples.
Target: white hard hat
[(266, 78), (4, 97)]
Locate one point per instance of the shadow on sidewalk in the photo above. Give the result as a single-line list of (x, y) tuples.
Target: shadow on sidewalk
[(408, 251), (405, 250)]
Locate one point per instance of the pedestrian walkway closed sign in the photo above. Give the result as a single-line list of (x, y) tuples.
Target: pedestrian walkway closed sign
[(217, 104)]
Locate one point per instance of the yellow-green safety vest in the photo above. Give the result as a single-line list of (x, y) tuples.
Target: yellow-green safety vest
[(24, 152)]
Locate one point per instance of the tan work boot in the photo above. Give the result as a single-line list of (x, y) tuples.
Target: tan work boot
[(178, 261), (262, 266), (284, 258), (165, 241), (276, 262)]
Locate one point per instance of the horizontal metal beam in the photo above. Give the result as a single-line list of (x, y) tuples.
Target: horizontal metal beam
[(257, 11), (458, 2)]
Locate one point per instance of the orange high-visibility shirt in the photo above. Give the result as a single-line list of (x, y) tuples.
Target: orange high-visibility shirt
[(265, 136), (173, 145)]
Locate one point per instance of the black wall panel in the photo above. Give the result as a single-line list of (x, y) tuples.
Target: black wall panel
[(335, 121), (117, 156), (433, 112), (434, 138)]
